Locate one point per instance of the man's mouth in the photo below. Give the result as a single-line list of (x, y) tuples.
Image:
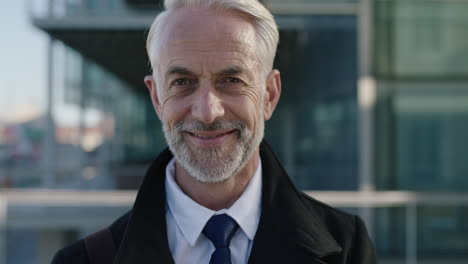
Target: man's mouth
[(209, 134), (210, 138)]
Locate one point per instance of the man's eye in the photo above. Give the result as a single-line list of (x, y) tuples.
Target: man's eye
[(231, 80), (183, 82), (230, 84)]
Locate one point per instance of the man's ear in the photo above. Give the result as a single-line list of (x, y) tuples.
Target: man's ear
[(272, 93), (152, 88)]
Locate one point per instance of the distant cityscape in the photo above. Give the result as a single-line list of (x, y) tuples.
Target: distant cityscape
[(22, 136)]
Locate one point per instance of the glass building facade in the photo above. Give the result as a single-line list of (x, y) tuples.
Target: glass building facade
[(418, 122), (422, 115), (314, 126), (421, 120)]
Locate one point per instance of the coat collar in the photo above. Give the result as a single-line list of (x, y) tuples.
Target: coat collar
[(145, 239), (286, 224), (287, 229)]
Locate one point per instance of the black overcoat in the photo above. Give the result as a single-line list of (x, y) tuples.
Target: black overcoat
[(293, 227)]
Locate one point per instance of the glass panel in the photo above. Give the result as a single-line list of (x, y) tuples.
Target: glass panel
[(441, 233), (39, 242), (421, 110), (443, 230), (390, 232), (421, 38), (432, 124), (21, 246), (95, 128), (424, 144), (314, 127)]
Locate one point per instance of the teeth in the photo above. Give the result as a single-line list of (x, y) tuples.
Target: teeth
[(205, 137)]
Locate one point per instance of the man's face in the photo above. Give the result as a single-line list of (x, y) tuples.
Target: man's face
[(210, 92)]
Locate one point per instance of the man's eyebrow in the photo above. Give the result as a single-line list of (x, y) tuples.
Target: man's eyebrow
[(178, 70), (234, 70)]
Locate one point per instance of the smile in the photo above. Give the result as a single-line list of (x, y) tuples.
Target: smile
[(207, 138)]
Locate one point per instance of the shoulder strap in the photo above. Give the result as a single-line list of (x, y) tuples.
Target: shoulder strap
[(100, 247)]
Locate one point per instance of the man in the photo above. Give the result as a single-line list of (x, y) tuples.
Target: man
[(219, 195)]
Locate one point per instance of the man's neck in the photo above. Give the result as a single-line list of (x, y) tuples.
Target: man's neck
[(217, 196)]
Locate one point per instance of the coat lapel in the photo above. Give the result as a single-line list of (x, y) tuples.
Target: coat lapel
[(288, 231), (145, 240)]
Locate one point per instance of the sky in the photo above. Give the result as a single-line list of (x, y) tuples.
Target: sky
[(23, 67)]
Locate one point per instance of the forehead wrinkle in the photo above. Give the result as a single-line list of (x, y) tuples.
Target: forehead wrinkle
[(215, 35), (210, 46), (181, 24), (183, 37), (243, 61)]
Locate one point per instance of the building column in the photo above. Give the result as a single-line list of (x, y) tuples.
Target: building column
[(366, 103), (48, 155)]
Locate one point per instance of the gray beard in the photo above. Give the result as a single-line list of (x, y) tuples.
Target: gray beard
[(216, 164)]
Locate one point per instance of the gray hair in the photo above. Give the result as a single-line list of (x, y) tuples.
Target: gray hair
[(265, 26)]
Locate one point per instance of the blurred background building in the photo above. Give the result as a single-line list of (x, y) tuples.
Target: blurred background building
[(373, 119)]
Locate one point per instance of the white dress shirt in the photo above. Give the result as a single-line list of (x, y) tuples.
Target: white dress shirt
[(185, 220)]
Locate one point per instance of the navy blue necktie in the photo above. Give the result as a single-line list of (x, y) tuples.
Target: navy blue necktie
[(220, 229)]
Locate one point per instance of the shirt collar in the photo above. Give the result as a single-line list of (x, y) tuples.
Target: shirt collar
[(246, 210), (192, 217)]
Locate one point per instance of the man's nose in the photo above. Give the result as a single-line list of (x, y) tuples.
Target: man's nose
[(207, 105)]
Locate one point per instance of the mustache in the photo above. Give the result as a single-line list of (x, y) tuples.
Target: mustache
[(194, 125)]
